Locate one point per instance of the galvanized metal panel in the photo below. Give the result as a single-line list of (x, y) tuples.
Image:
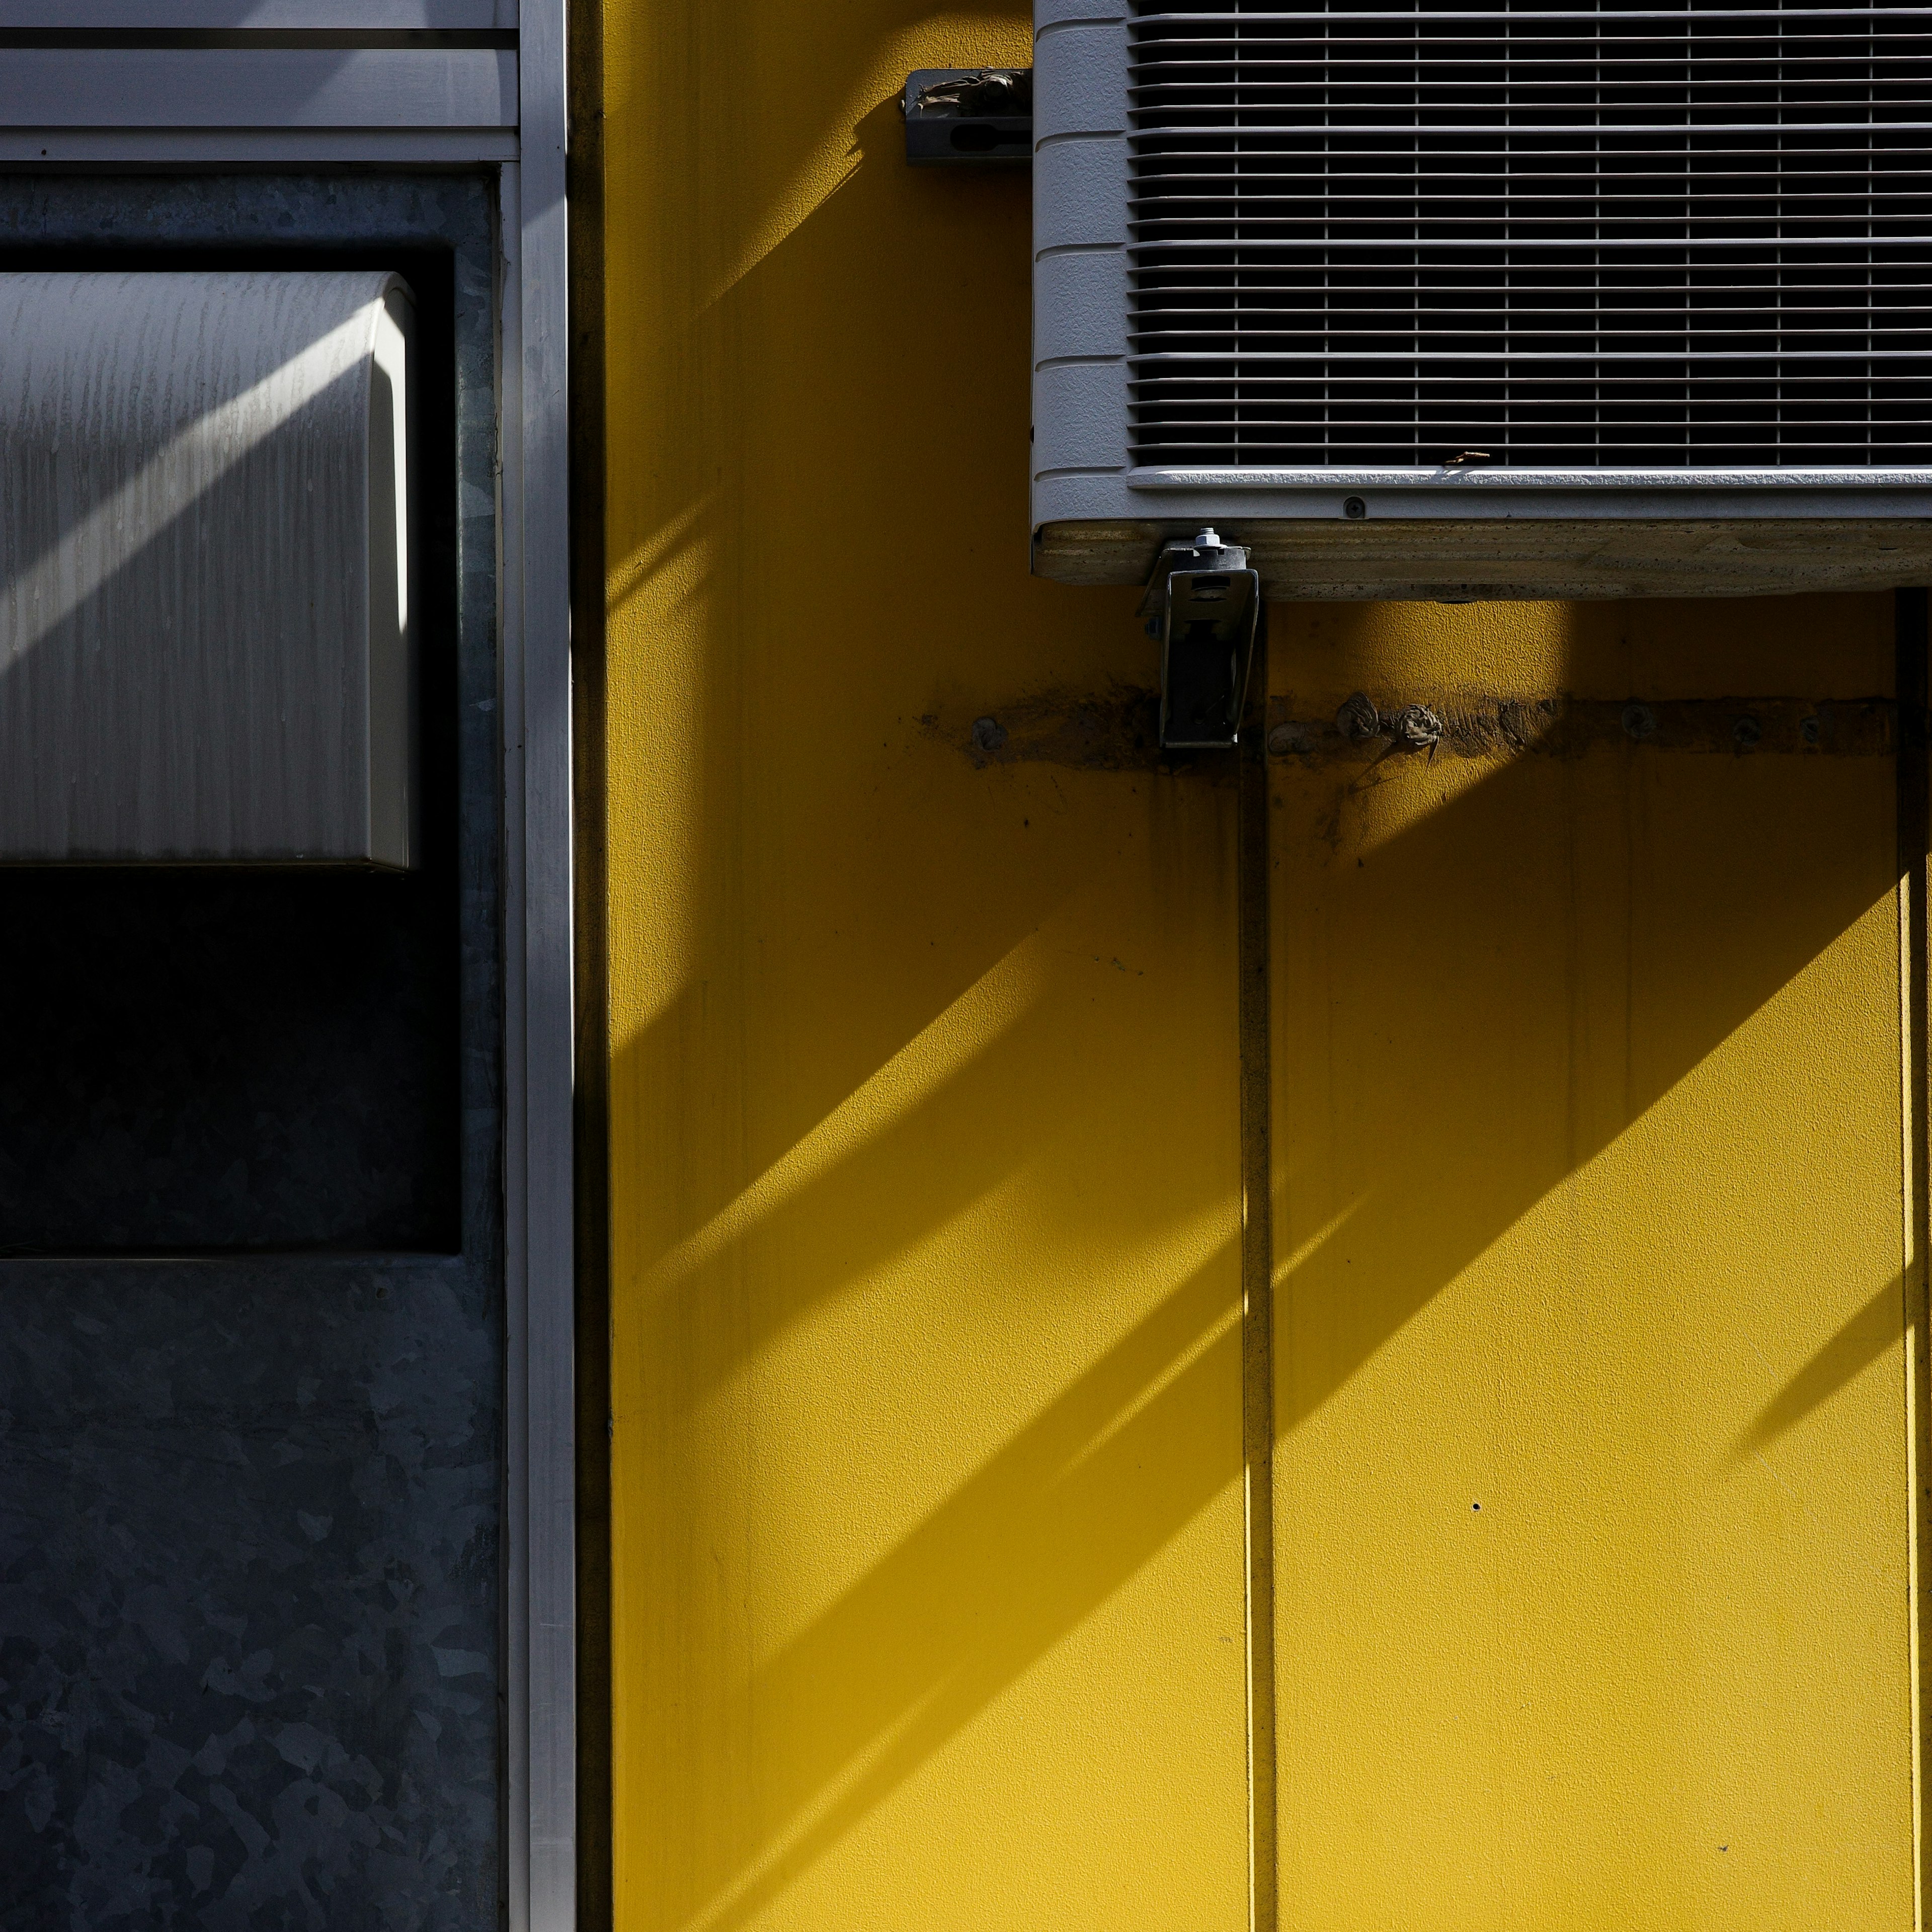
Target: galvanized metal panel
[(205, 629), (1328, 557), (251, 1506)]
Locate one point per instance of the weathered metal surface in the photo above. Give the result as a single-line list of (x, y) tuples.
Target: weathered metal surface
[(248, 1529), (250, 1505), (206, 633), (1319, 555)]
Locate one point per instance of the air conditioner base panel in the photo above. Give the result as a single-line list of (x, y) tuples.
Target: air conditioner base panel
[(1457, 559)]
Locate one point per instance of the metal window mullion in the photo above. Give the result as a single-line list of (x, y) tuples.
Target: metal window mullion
[(540, 1460)]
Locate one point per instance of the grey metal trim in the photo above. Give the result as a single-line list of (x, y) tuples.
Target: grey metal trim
[(1321, 498), (245, 87), (190, 16), (541, 1565), (250, 146), (1464, 481)]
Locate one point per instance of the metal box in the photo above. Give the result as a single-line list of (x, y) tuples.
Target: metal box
[(206, 634), (1497, 301)]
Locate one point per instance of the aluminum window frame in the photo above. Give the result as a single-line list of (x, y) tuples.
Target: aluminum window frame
[(527, 152)]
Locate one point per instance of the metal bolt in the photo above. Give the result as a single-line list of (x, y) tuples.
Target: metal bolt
[(1353, 508), (1291, 737), (1746, 733), (1358, 720), (988, 734), (1640, 722), (1415, 728), (1811, 729)]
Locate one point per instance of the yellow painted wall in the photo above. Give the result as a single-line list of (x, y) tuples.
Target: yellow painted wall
[(1591, 1472), (928, 1541), (928, 1606)]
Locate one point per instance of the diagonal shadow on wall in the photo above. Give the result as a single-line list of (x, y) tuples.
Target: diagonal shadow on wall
[(808, 890)]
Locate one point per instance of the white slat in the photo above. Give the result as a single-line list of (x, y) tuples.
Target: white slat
[(202, 16), (122, 88)]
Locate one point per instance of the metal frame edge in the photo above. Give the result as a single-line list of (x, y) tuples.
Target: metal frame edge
[(540, 1648)]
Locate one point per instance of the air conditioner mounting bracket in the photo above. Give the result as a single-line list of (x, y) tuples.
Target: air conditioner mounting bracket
[(1205, 604)]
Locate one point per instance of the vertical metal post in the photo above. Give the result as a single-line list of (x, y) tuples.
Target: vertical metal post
[(541, 1564), (596, 1904), (1253, 865)]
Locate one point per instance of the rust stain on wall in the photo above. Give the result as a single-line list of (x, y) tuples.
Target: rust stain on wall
[(1116, 731), (1362, 728), (1119, 730)]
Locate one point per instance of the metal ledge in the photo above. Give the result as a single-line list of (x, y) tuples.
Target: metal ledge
[(1458, 559)]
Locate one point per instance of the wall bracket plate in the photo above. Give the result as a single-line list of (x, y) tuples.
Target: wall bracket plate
[(968, 116), (1204, 603)]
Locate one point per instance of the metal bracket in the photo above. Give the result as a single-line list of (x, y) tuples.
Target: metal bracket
[(968, 116), (1205, 604)]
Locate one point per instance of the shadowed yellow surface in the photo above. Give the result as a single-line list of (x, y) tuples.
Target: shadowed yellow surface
[(1592, 1476), (926, 1441)]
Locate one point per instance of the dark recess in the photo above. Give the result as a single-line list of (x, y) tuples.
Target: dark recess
[(596, 1909), (210, 1060)]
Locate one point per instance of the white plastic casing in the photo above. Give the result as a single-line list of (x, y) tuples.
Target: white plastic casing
[(1482, 532)]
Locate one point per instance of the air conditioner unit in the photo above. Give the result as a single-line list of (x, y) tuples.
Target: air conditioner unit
[(1494, 301)]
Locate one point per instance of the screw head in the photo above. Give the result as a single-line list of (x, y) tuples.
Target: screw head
[(1355, 508)]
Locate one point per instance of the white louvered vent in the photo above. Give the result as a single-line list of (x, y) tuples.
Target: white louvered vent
[(1630, 236), (1520, 301)]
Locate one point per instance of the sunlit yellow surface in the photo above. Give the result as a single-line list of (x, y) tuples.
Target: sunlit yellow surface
[(1591, 1457), (1591, 1469), (928, 1607)]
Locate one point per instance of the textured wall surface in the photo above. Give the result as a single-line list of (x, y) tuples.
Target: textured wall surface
[(1594, 1420), (247, 1590), (250, 1502), (927, 1513), (1596, 1432)]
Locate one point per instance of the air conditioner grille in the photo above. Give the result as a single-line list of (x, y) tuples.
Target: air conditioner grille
[(1629, 238)]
